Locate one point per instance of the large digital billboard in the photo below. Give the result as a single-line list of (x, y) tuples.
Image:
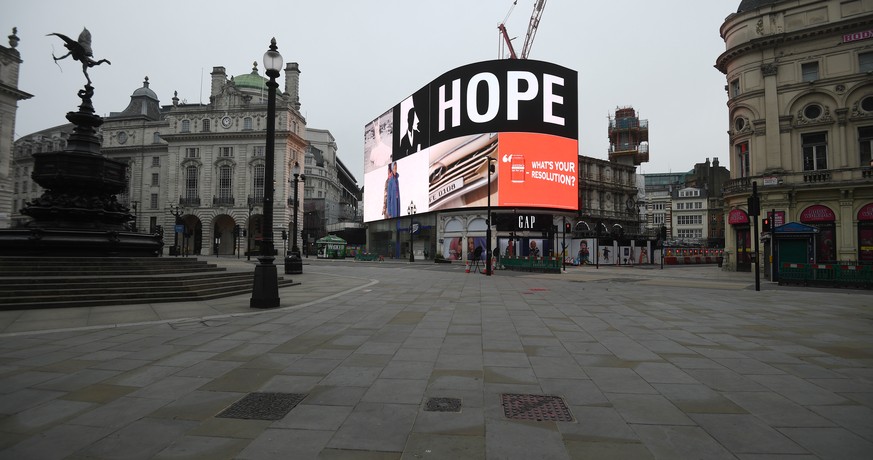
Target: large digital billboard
[(431, 151)]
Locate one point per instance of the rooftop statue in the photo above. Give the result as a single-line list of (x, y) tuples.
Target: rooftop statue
[(80, 51)]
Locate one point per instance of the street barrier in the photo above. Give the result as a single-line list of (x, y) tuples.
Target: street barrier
[(827, 275)]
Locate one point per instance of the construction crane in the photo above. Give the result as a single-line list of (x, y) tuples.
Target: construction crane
[(539, 6)]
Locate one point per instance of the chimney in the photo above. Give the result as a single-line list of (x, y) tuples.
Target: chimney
[(715, 162), (292, 83), (219, 79)]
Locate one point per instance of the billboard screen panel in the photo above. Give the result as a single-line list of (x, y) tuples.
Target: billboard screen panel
[(431, 151)]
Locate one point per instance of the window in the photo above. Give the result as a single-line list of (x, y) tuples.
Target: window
[(186, 126), (225, 151), (156, 162), (225, 182), (258, 183), (206, 125), (155, 179), (153, 201), (809, 71), (690, 220), (658, 218), (258, 151), (191, 182), (680, 206), (867, 104), (247, 123), (735, 87), (865, 62), (153, 224), (192, 152), (743, 159), (815, 151), (812, 111), (690, 233), (865, 138), (156, 138)]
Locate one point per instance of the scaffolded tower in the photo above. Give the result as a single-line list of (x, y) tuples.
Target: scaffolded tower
[(628, 137)]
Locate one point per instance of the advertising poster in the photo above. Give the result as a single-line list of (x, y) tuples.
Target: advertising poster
[(432, 150)]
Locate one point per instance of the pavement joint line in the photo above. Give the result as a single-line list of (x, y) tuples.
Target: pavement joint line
[(371, 282)]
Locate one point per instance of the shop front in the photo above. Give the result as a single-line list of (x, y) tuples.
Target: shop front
[(865, 234), (824, 219), (739, 222)]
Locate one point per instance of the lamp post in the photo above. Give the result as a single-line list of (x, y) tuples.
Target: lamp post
[(302, 178), (177, 213), (488, 222), (265, 290), (247, 231), (135, 205), (411, 211)]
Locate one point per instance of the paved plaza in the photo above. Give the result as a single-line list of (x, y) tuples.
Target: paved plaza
[(424, 361)]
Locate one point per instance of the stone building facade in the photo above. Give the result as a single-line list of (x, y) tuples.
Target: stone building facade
[(800, 111), (10, 176), (196, 170)]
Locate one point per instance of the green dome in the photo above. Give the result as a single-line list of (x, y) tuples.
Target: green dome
[(252, 81)]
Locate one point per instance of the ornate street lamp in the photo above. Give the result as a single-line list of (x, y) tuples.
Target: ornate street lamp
[(265, 291), (177, 213), (301, 178), (411, 211), (488, 221)]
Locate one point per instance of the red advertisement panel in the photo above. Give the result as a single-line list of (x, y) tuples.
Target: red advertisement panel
[(537, 170)]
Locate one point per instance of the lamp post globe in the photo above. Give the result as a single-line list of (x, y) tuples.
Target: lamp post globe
[(265, 290)]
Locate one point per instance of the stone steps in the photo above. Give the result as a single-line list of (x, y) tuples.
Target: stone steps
[(39, 282)]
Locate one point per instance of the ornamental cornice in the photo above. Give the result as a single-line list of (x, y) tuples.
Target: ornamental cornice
[(769, 41)]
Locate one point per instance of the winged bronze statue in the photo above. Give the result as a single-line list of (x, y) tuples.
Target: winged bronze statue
[(81, 51)]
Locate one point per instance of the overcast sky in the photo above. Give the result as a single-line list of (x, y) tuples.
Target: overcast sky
[(358, 58)]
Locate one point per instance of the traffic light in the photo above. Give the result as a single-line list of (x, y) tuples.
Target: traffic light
[(765, 224), (568, 227)]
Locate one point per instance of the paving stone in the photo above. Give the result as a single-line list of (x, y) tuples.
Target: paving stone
[(665, 441), (746, 434), (648, 409), (443, 447), (618, 380), (374, 426), (508, 439), (831, 443), (202, 447), (698, 399), (399, 391), (57, 442), (776, 410), (280, 442), (142, 439)]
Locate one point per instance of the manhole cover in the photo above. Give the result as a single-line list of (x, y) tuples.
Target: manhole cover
[(443, 405), (535, 407), (263, 406)]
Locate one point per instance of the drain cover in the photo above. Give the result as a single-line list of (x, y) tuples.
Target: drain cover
[(535, 407), (263, 406), (443, 405)]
